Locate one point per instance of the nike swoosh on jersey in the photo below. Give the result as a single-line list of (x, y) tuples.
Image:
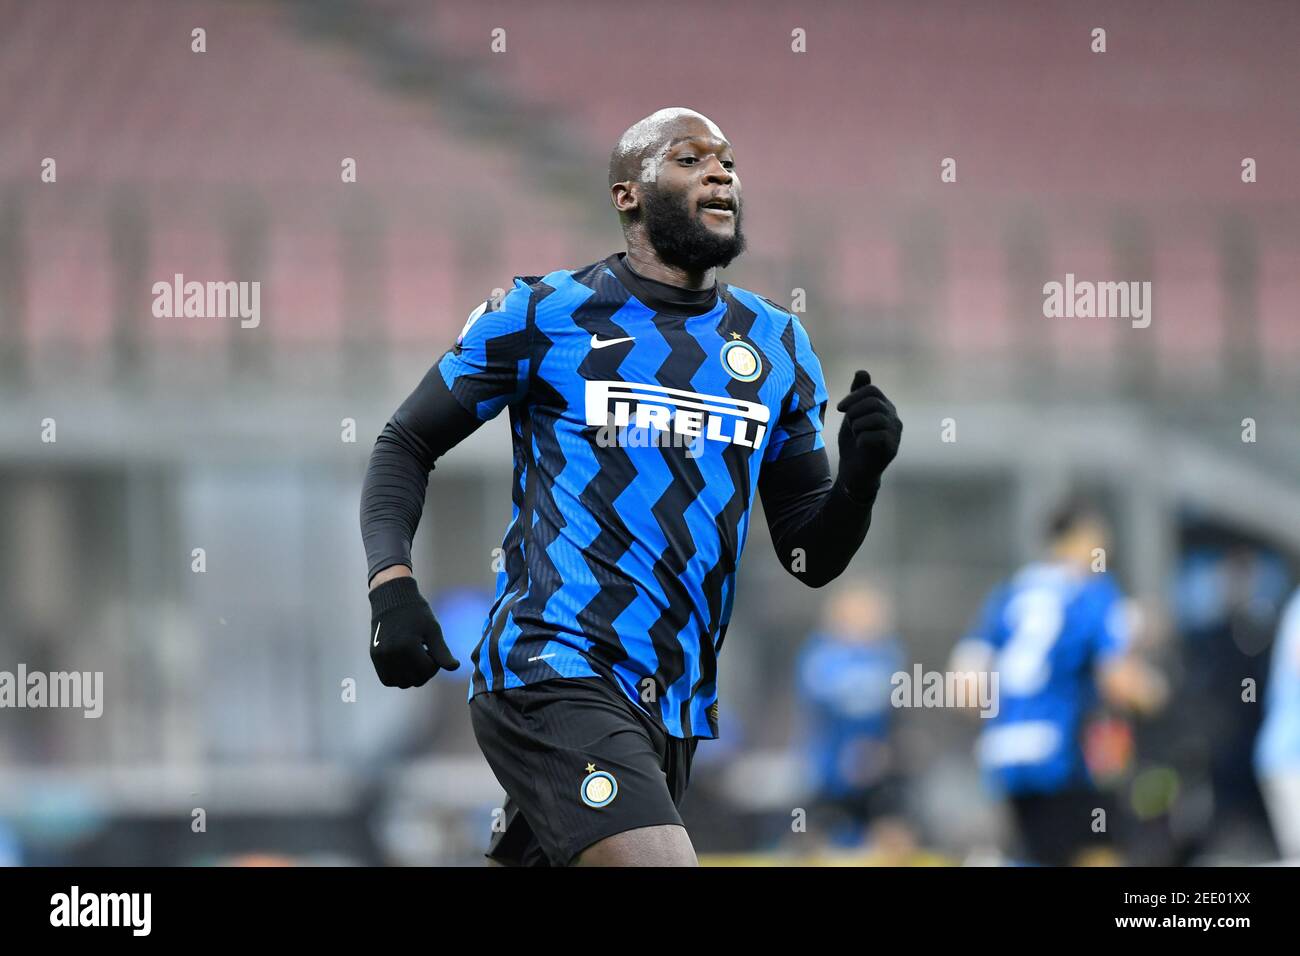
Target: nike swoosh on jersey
[(598, 343)]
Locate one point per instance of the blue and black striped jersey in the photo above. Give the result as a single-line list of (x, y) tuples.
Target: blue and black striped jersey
[(640, 421)]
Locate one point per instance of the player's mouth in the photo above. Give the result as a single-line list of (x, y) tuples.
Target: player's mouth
[(724, 207)]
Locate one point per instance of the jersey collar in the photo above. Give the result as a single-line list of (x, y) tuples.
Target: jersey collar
[(660, 296)]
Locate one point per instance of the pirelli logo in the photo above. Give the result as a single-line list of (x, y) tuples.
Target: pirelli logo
[(627, 409)]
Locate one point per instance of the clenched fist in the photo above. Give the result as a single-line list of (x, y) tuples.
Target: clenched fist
[(869, 436), (406, 644)]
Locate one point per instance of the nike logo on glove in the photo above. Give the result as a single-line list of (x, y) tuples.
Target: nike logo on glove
[(597, 343)]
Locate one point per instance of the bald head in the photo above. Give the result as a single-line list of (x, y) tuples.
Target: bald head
[(651, 137), (673, 182)]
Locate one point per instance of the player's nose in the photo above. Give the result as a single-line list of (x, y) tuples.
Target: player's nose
[(715, 172)]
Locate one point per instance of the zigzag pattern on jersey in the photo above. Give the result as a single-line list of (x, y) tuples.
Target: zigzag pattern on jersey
[(550, 541), (621, 561), (719, 580)]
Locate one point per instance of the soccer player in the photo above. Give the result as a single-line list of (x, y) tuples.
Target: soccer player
[(1057, 637), (647, 401), (844, 680)]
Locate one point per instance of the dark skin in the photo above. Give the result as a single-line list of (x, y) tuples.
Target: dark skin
[(644, 846), (699, 163)]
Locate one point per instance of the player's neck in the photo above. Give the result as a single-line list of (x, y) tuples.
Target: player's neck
[(645, 262)]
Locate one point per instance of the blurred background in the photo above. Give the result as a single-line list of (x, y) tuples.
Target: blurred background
[(242, 720)]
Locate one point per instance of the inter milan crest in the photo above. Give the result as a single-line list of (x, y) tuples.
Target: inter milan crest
[(741, 360), (599, 788)]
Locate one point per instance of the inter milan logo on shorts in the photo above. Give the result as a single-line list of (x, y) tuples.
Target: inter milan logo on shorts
[(741, 360), (599, 788)]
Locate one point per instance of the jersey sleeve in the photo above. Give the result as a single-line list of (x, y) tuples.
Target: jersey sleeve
[(978, 649), (1113, 632), (990, 627), (798, 429), (489, 366)]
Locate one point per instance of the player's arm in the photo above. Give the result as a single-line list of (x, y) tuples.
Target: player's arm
[(817, 521), (485, 371), (1124, 679), (976, 653), (426, 426), (816, 525), (1130, 683)]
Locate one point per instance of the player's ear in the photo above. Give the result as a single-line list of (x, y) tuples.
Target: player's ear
[(625, 196)]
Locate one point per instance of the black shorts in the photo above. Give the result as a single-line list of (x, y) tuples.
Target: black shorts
[(579, 762), (1055, 828)]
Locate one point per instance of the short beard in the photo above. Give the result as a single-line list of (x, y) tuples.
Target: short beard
[(680, 238)]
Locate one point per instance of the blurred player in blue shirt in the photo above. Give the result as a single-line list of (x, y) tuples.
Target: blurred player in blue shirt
[(1058, 639), (844, 673)]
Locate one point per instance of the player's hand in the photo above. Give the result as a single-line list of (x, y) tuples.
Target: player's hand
[(406, 644), (869, 436)]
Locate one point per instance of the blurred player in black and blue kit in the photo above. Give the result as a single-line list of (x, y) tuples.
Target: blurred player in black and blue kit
[(845, 677), (648, 401), (1058, 637)]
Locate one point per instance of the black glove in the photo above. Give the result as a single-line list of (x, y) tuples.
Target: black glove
[(406, 644), (869, 437)]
